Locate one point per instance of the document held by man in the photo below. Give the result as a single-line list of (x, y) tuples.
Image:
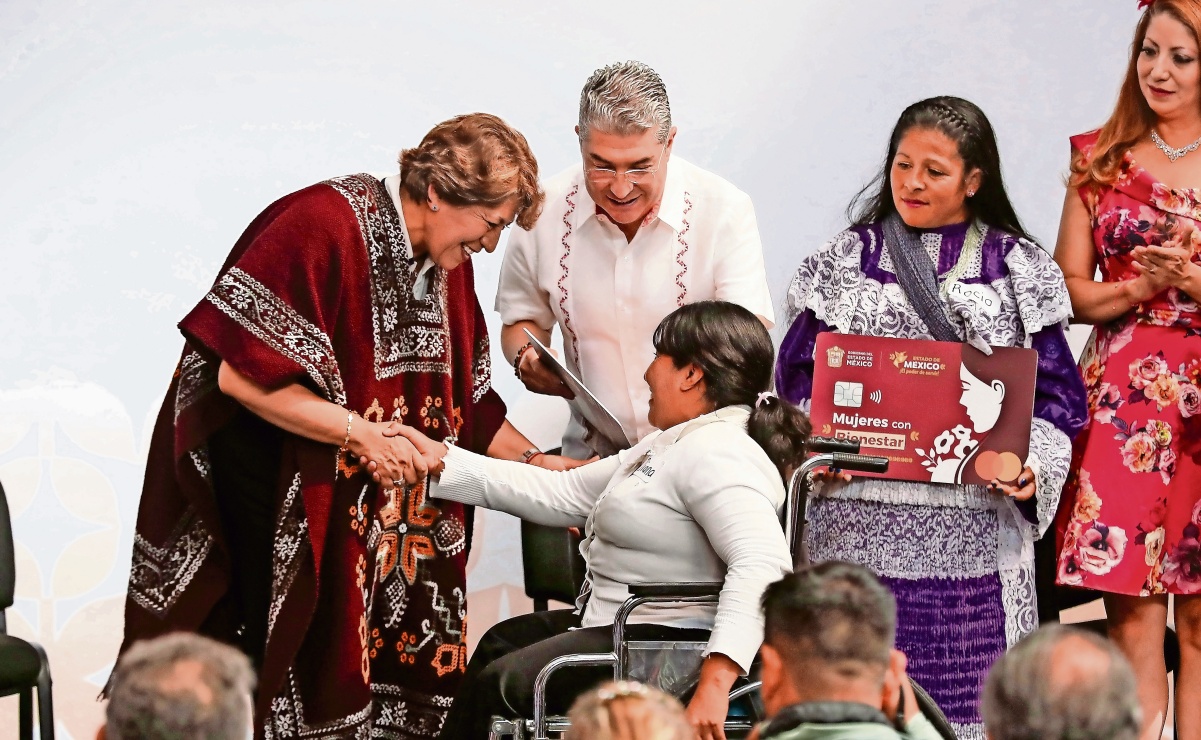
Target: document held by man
[(943, 412), (601, 419)]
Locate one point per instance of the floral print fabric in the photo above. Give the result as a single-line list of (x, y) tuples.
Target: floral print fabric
[(1135, 490)]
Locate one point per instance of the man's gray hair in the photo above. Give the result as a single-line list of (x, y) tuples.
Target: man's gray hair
[(180, 686), (625, 98), (1061, 683)]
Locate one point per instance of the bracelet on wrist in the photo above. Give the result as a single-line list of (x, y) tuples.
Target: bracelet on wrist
[(346, 441), (517, 358), (528, 456), (345, 444), (1121, 297)]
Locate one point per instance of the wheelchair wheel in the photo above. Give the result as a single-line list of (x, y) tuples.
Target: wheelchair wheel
[(932, 713)]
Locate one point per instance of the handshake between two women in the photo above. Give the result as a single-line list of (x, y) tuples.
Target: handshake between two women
[(405, 454)]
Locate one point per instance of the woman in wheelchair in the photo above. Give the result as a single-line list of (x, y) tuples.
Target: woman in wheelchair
[(697, 501)]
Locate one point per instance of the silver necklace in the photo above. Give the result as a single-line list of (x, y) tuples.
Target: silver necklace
[(1169, 152)]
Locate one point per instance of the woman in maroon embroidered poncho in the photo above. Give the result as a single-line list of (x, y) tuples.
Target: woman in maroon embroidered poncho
[(344, 306)]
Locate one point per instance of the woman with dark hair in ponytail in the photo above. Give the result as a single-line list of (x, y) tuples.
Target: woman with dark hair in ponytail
[(936, 251), (697, 501)]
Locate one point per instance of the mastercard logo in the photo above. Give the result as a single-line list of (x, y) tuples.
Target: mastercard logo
[(1003, 466)]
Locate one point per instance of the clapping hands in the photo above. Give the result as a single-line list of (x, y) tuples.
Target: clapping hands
[(1159, 267)]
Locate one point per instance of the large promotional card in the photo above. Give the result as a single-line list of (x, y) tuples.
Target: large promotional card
[(939, 411)]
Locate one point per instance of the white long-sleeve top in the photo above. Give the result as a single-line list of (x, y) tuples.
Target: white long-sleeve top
[(697, 502)]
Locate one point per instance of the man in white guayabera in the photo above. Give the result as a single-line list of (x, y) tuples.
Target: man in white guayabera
[(626, 236)]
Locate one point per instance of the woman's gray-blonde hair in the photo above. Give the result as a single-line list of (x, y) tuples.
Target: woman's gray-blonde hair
[(625, 98)]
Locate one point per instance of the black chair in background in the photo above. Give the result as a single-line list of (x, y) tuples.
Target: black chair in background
[(552, 564), (551, 561), (23, 664)]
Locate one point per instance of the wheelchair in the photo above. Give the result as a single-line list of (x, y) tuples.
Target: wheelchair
[(675, 666)]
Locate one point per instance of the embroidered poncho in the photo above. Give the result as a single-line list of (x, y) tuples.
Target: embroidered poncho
[(367, 605)]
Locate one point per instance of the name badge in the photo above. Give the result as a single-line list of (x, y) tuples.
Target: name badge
[(982, 296), (645, 471)]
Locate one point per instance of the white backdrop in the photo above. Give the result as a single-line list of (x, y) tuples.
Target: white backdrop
[(137, 140)]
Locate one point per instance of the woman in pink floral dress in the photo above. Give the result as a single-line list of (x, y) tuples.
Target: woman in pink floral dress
[(1131, 523)]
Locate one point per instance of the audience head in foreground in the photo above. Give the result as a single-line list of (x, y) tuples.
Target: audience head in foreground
[(181, 686), (1061, 682), (627, 710), (829, 660)]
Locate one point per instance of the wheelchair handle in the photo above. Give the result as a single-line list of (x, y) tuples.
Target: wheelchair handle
[(862, 463), (832, 444), (794, 509), (844, 460)]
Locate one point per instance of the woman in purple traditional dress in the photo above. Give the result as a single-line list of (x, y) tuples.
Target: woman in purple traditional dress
[(936, 251)]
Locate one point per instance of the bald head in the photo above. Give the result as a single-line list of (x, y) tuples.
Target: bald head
[(1077, 659), (1061, 682), (187, 676)]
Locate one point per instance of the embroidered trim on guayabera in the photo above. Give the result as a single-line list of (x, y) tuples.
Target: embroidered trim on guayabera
[(291, 544), (196, 378), (564, 270), (280, 327), (160, 574), (411, 335), (683, 252)]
